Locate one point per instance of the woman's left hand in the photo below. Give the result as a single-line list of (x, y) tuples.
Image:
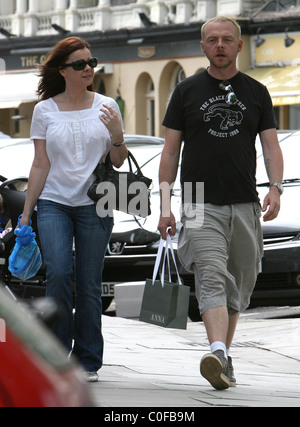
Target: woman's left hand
[(111, 119)]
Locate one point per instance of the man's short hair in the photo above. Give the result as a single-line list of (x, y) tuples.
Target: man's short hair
[(221, 19)]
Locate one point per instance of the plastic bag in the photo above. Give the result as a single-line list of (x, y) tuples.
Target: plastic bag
[(25, 259)]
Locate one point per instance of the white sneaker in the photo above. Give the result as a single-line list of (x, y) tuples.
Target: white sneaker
[(91, 377)]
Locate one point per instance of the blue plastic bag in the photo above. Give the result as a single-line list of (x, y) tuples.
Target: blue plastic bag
[(25, 259), (2, 225)]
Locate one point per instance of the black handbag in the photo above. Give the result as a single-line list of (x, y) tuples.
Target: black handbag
[(124, 191)]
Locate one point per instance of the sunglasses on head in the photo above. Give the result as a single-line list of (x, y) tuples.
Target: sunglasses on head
[(231, 98), (80, 64)]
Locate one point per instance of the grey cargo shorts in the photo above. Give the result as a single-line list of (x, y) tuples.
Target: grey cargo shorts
[(224, 252)]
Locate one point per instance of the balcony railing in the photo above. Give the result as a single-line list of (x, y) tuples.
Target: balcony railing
[(103, 15)]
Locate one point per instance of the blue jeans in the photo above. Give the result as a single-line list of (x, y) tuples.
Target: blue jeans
[(57, 225)]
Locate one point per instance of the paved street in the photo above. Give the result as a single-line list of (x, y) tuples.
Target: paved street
[(148, 366)]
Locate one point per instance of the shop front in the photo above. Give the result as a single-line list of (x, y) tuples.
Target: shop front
[(18, 88), (276, 64)]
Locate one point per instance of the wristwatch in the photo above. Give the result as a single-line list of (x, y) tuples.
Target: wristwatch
[(278, 186)]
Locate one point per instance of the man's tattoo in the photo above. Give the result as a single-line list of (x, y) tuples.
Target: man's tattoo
[(267, 163)]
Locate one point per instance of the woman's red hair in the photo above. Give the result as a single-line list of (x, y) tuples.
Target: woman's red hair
[(52, 82)]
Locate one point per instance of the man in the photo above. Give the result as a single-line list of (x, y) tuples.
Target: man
[(218, 113)]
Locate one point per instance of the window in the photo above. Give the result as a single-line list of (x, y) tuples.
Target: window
[(294, 116), (150, 109), (87, 3), (121, 2), (179, 76)]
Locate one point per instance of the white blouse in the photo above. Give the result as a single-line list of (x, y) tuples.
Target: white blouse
[(75, 142)]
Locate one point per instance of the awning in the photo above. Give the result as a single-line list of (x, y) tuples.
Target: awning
[(283, 83), (16, 88)]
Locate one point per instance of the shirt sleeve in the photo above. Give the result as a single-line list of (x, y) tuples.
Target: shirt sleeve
[(268, 120), (174, 117), (38, 126)]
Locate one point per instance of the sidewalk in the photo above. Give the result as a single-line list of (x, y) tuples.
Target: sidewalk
[(149, 366)]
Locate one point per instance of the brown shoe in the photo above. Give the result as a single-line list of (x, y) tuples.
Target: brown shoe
[(213, 368)]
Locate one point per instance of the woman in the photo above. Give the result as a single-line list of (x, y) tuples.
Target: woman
[(73, 128)]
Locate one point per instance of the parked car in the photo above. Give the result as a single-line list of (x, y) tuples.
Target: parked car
[(16, 157), (132, 249), (133, 246), (279, 281)]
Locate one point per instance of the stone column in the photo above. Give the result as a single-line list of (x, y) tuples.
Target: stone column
[(73, 4), (58, 15), (184, 11), (158, 12), (205, 9), (72, 17), (33, 6), (61, 4), (139, 7), (21, 6), (103, 15), (17, 22), (104, 3), (31, 22)]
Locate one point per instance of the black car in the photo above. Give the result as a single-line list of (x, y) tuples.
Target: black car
[(134, 242)]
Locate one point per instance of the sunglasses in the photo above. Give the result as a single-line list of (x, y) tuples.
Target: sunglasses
[(80, 64), (231, 98)]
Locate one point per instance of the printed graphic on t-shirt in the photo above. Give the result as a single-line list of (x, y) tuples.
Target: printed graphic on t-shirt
[(224, 119)]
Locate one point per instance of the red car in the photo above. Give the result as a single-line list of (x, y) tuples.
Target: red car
[(35, 371)]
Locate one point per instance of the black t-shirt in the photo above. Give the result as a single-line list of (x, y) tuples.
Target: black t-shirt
[(219, 139)]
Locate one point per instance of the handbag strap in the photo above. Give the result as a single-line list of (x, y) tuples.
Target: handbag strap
[(168, 247), (130, 157), (108, 162)]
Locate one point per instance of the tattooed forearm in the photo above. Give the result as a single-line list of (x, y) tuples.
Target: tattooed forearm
[(267, 164)]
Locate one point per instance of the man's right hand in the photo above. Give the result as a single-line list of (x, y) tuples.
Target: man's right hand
[(167, 224)]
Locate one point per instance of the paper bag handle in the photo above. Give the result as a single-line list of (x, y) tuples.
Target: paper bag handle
[(168, 247)]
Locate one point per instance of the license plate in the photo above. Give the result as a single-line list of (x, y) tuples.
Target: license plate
[(108, 289)]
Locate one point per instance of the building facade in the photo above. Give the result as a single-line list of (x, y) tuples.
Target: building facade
[(144, 47)]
